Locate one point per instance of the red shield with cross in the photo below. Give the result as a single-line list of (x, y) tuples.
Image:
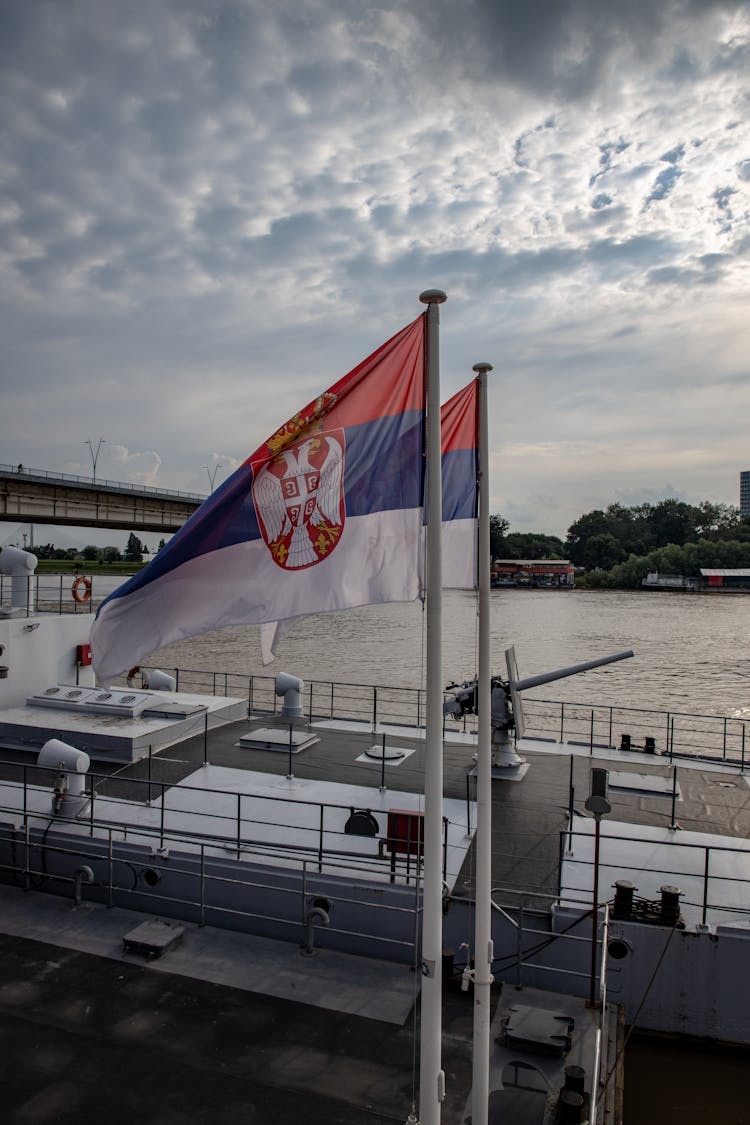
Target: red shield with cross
[(299, 500)]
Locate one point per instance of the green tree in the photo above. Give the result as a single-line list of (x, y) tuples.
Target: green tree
[(602, 552), (90, 553), (134, 549), (533, 545), (593, 523), (672, 521), (498, 530)]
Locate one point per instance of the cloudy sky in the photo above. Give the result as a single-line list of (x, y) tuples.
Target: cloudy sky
[(210, 211)]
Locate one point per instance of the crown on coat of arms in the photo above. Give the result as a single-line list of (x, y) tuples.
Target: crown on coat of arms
[(303, 423)]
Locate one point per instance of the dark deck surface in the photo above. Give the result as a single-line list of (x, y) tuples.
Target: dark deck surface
[(87, 1038)]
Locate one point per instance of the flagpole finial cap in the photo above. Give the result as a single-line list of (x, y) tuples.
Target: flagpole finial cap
[(480, 368), (433, 297)]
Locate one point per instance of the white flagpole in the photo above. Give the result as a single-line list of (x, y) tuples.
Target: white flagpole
[(483, 952), (431, 1076)]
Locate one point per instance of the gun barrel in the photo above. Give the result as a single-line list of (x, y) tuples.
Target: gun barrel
[(574, 669)]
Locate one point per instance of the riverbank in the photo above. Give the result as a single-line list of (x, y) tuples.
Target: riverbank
[(87, 566)]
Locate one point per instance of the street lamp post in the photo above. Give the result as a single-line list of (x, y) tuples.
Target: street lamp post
[(95, 452), (211, 474)]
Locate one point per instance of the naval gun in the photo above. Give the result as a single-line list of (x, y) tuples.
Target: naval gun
[(507, 723)]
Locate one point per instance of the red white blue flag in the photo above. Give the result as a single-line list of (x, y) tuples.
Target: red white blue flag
[(325, 515), (459, 420)]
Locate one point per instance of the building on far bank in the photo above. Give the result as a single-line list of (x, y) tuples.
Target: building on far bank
[(545, 574), (711, 580), (745, 493)]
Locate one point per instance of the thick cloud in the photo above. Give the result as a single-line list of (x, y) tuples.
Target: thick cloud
[(211, 210)]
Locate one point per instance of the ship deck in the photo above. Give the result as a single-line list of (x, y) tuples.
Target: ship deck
[(228, 1025)]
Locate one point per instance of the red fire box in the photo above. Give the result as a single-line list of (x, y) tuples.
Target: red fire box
[(405, 831)]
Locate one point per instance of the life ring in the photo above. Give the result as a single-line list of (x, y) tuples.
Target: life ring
[(81, 590)]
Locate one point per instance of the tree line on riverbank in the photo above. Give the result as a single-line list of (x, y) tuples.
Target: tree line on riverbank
[(618, 546), (613, 547)]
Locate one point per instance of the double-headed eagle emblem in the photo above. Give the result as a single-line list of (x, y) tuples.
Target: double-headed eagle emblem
[(299, 500)]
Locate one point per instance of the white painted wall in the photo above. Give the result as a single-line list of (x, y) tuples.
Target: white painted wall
[(39, 651)]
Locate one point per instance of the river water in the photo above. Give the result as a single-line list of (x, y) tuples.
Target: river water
[(691, 650)]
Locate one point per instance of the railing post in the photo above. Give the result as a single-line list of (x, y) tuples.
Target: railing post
[(445, 849), (610, 728), (519, 946), (591, 733), (290, 771), (320, 841), (239, 824), (673, 824), (203, 885), (374, 709), (382, 765), (468, 805), (205, 739), (303, 889), (562, 721), (571, 801), (724, 740), (705, 887), (161, 818), (742, 765), (310, 712), (110, 870)]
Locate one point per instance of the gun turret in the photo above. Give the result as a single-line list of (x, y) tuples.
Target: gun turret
[(507, 710)]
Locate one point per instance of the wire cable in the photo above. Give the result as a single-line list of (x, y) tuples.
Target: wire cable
[(631, 1029)]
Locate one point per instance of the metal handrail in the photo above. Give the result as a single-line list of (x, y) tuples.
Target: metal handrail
[(707, 876), (107, 856), (678, 734), (239, 841), (98, 482)]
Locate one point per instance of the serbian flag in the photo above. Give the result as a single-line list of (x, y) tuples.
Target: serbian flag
[(325, 515), (459, 419), (459, 422)]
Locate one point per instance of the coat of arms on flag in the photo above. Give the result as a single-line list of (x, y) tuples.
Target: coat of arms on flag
[(299, 500)]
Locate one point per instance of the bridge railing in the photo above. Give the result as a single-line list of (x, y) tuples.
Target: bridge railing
[(97, 482)]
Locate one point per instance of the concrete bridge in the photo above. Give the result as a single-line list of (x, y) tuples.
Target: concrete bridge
[(39, 496)]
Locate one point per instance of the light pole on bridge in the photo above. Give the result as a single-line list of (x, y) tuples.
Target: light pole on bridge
[(95, 453), (212, 474)]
